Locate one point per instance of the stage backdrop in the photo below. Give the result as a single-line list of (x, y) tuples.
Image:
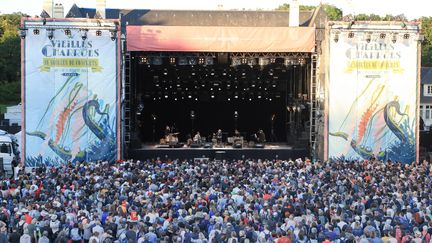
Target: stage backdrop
[(372, 106), (70, 92)]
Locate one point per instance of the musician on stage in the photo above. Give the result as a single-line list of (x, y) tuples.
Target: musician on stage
[(167, 131), (197, 138), (261, 136), (219, 137), (237, 134)]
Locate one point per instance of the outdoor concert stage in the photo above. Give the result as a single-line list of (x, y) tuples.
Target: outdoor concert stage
[(280, 151)]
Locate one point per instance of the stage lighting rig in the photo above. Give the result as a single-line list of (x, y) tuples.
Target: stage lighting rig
[(36, 31), (22, 33), (201, 61), (368, 37), (113, 34), (172, 61), (83, 34), (336, 37), (68, 32), (50, 33), (394, 37)]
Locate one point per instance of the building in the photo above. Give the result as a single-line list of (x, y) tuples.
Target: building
[(426, 97), (13, 114)]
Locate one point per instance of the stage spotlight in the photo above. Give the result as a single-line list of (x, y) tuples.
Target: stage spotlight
[(68, 32), (336, 37), (36, 31), (143, 60), (244, 61), (351, 35), (382, 36), (83, 34), (236, 114), (50, 33), (394, 38), (98, 32), (201, 61), (302, 61), (406, 36), (113, 34), (368, 37), (272, 60), (22, 33)]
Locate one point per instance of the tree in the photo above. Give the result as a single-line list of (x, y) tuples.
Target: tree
[(427, 43), (286, 7), (10, 47), (333, 13)]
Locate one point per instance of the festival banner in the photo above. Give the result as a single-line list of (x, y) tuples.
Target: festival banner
[(70, 93), (372, 94)]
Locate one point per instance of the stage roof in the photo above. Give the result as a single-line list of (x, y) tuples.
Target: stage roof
[(196, 17), (220, 39)]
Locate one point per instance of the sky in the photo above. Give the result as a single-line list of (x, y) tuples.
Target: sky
[(412, 8)]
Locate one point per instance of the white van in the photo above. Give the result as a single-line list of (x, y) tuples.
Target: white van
[(9, 154)]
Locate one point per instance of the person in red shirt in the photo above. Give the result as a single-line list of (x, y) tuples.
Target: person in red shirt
[(284, 238)]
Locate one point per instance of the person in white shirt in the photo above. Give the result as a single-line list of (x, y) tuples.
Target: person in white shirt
[(25, 238), (94, 238), (44, 238), (54, 224), (98, 228)]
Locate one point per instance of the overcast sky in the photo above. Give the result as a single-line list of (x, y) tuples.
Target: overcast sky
[(411, 9)]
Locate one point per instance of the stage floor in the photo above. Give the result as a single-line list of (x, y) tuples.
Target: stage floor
[(270, 151)]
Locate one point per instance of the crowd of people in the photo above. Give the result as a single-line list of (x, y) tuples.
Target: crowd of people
[(219, 201)]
